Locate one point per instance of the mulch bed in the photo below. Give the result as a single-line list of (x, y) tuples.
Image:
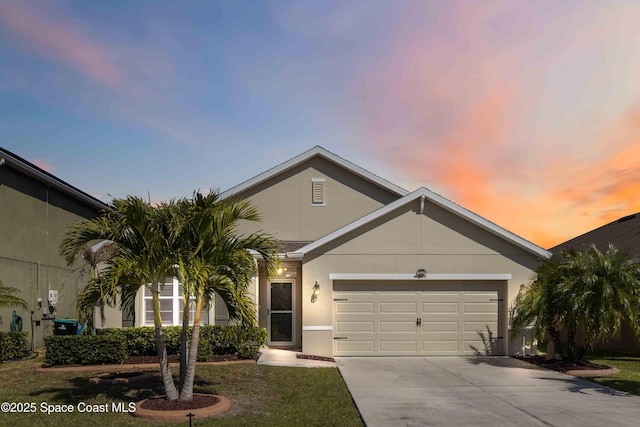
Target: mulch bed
[(173, 358), (561, 365), (162, 404), (310, 357)]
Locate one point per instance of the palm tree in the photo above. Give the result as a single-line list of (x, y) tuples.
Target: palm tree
[(8, 299), (591, 291), (141, 257), (195, 240), (603, 289), (537, 304), (94, 294), (215, 260)]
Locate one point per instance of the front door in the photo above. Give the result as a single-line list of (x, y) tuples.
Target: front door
[(280, 313)]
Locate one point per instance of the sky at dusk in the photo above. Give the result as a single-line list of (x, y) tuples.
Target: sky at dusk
[(525, 112)]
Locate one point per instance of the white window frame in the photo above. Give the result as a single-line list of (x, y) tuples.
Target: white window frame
[(176, 298)]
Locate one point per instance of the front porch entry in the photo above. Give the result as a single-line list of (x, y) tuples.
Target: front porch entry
[(280, 312), (281, 305)]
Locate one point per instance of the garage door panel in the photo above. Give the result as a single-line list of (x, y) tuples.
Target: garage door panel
[(444, 347), (355, 326), (480, 307), (480, 327), (437, 327), (414, 319), (398, 346), (440, 307), (407, 326), (355, 307), (398, 307), (355, 347)]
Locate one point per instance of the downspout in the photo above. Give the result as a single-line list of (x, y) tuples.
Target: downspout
[(47, 246)]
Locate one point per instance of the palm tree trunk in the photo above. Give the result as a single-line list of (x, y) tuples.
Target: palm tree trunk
[(183, 342), (170, 391), (186, 392)]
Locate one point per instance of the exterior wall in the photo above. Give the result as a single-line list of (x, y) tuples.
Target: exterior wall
[(285, 201), (402, 242), (33, 219)]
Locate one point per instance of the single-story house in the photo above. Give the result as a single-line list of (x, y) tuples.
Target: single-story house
[(624, 234), (36, 207), (371, 269), (367, 268)]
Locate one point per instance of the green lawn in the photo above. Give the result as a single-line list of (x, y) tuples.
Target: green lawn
[(260, 395), (628, 379)]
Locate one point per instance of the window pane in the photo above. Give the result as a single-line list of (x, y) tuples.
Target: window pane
[(281, 296), (281, 326), (166, 289)]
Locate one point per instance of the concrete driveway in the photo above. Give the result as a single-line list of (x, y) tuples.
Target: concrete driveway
[(470, 391)]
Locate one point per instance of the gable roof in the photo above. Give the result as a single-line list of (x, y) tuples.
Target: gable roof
[(438, 200), (29, 169), (623, 233), (320, 152)]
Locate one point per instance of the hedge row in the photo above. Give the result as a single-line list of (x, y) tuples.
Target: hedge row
[(13, 345), (84, 350), (114, 345)]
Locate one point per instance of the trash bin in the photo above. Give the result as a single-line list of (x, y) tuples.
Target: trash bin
[(65, 326)]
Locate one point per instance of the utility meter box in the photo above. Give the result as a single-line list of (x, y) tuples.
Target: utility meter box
[(53, 297)]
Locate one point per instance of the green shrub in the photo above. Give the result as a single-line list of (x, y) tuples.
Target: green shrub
[(84, 350), (13, 345), (205, 350), (214, 339)]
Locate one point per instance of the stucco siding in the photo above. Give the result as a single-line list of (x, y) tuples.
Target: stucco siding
[(33, 220), (402, 242), (285, 204)]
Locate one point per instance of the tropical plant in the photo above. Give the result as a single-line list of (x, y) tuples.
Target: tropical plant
[(214, 260), (95, 297), (195, 240), (589, 292), (538, 304), (8, 298)]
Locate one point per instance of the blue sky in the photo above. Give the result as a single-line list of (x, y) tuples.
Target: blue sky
[(524, 112)]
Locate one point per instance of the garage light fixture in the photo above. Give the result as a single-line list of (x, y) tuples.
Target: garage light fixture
[(316, 292), (421, 273)]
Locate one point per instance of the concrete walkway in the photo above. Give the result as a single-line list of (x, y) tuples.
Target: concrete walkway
[(278, 357), (468, 391)]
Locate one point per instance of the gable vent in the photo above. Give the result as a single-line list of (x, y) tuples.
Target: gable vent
[(317, 191)]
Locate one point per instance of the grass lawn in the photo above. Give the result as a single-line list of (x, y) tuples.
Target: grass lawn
[(628, 379), (260, 395)]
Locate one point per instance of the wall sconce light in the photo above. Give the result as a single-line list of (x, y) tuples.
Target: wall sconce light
[(316, 292), (421, 273)]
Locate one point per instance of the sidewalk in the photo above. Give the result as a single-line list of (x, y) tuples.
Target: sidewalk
[(278, 357)]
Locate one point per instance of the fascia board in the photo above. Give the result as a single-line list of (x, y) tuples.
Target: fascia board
[(438, 200), (427, 277), (486, 224), (317, 150), (51, 181)]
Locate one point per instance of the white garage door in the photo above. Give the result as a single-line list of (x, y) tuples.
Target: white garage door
[(374, 319)]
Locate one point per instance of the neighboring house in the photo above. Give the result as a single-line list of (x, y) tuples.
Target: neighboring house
[(370, 269), (624, 234), (35, 209)]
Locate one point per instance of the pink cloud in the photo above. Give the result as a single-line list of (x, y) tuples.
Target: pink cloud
[(61, 42), (484, 108), (42, 164)]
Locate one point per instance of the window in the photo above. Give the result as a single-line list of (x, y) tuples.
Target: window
[(317, 191), (171, 304)]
